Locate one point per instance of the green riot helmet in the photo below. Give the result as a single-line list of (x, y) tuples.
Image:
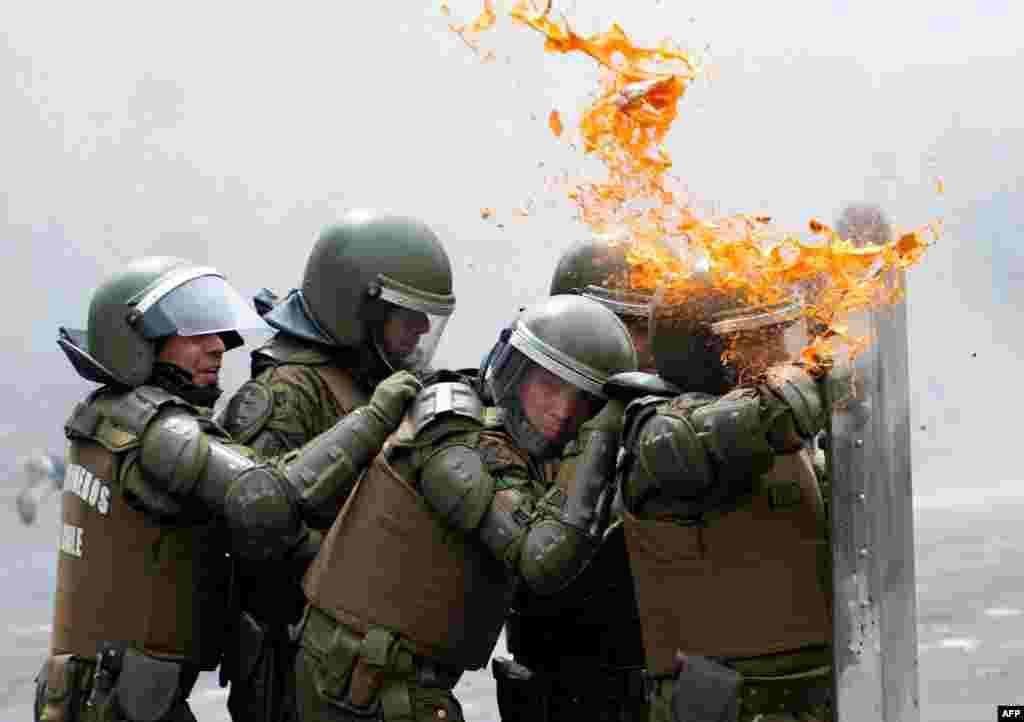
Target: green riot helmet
[(574, 344), (709, 339), (151, 299), (380, 280), (600, 269)]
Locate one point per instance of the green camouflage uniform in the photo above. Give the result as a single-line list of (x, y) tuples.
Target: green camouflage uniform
[(580, 651), (785, 684), (725, 520), (413, 686), (460, 510), (364, 272), (287, 403), (157, 493)]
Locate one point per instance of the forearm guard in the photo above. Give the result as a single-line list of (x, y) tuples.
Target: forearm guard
[(325, 470), (265, 506), (566, 534)]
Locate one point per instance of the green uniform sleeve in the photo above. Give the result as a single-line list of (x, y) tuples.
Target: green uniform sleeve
[(281, 410)]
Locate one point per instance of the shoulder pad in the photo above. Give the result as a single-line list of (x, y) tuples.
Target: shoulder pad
[(450, 397), (631, 384), (802, 393), (286, 349), (247, 411), (117, 422), (637, 412)]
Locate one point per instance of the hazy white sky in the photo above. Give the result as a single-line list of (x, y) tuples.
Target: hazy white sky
[(230, 132)]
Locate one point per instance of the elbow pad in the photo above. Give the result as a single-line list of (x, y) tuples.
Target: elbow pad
[(456, 485), (554, 554), (260, 509)]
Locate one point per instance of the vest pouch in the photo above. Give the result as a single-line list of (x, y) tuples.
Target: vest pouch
[(147, 688), (341, 674), (705, 690), (58, 689)]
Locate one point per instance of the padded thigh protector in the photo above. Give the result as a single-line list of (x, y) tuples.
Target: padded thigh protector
[(456, 484)]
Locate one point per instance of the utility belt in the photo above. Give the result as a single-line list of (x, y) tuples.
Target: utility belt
[(120, 683), (719, 687), (360, 671)]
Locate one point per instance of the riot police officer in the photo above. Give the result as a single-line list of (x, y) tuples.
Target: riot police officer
[(375, 297), (579, 653), (725, 521), (156, 494), (457, 510)]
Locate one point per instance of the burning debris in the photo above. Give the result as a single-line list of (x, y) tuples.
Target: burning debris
[(838, 272)]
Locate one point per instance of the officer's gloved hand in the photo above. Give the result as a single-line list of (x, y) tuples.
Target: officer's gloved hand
[(595, 469), (392, 396)]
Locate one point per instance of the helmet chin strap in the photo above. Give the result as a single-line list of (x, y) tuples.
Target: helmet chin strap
[(524, 433), (171, 377)]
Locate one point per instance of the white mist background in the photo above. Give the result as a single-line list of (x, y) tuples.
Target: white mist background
[(230, 132)]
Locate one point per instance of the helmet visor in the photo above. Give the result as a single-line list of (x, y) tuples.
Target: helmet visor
[(202, 305), (554, 407), (407, 338), (624, 304)]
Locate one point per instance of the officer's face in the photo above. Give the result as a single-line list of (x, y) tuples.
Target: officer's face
[(554, 407), (401, 331), (199, 355)]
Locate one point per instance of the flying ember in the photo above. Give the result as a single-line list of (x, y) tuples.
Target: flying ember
[(625, 128)]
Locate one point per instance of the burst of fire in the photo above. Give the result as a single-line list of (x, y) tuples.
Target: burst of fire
[(625, 128)]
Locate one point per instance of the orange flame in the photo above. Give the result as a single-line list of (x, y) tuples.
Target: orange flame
[(625, 128), (555, 123)]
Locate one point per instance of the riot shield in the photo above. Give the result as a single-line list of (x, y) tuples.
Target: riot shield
[(874, 607)]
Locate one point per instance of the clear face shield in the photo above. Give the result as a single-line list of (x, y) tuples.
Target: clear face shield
[(707, 339), (408, 328), (203, 303), (544, 411), (546, 400), (756, 338)]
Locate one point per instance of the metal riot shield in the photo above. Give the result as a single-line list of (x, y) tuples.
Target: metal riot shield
[(874, 607)]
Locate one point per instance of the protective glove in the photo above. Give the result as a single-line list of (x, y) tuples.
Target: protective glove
[(392, 396), (595, 468)]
